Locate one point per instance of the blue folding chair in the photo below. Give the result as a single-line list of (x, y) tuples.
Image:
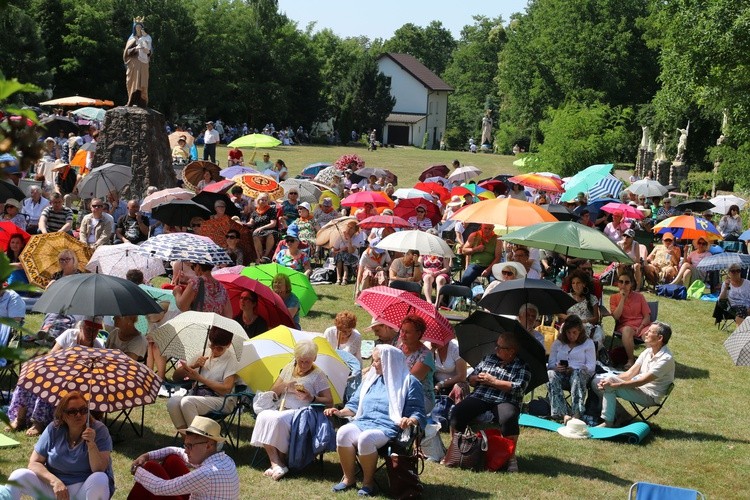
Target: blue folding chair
[(651, 491)]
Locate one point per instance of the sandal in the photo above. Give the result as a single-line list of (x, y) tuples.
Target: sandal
[(366, 491), (279, 472), (268, 472), (342, 486)]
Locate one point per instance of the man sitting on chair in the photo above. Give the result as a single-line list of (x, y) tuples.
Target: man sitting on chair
[(646, 382)]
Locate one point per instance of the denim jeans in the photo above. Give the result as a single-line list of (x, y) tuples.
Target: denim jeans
[(471, 273)]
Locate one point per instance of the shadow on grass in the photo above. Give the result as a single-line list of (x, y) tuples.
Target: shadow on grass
[(451, 491), (320, 314), (550, 466), (684, 371), (695, 436)]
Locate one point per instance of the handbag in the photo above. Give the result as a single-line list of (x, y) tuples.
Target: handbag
[(265, 400), (467, 450), (403, 473), (499, 449)]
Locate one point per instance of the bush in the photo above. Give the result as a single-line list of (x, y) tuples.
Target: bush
[(508, 135), (455, 139)]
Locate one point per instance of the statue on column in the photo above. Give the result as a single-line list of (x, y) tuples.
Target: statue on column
[(137, 58), (644, 137), (682, 142), (487, 127)]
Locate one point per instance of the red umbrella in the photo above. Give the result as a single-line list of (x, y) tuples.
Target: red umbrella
[(220, 187), (460, 191), (391, 306), (375, 198), (8, 229), (434, 171), (385, 221), (622, 209), (494, 185), (408, 208), (270, 306), (434, 188)]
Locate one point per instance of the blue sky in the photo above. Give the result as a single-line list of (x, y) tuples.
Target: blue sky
[(380, 18)]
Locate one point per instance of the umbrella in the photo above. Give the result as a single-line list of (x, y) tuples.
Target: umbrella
[(607, 187), (186, 247), (595, 206), (186, 335), (270, 305), (220, 187), (193, 171), (462, 174), (264, 356), (331, 231), (174, 138), (165, 196), (308, 192), (254, 185), (571, 239), (585, 180), (377, 172), (494, 185), (505, 212), (622, 209), (695, 205), (159, 295), (538, 181), (460, 191), (508, 297), (255, 141), (377, 221), (438, 179), (217, 228), (76, 101), (39, 256), (208, 199), (314, 169), (408, 208), (738, 345), (426, 243), (234, 171), (89, 147), (117, 260), (478, 191), (105, 179), (391, 306), (301, 286), (434, 188), (723, 202), (9, 190), (434, 171), (560, 212), (179, 212), (688, 227), (648, 188), (7, 231), (525, 161), (477, 336), (409, 193), (95, 295), (90, 113), (721, 261), (108, 379), (360, 199), (54, 124), (325, 176)]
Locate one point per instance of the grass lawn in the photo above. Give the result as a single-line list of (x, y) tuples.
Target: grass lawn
[(697, 441)]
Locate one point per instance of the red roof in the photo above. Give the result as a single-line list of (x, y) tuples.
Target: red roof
[(415, 68)]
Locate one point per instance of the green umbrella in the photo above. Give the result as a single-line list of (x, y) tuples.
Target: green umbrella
[(525, 161), (571, 239), (159, 295), (585, 180), (301, 286), (255, 141)]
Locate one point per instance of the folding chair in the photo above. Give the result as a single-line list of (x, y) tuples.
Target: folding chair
[(654, 308), (450, 291), (409, 286), (651, 491), (722, 316), (9, 338), (233, 419), (646, 412), (405, 443), (116, 422)]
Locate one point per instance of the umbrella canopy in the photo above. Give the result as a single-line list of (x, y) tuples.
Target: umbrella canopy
[(90, 113), (255, 141), (301, 286), (723, 202), (76, 101), (478, 191), (179, 212), (360, 199), (159, 295), (408, 193), (174, 138), (314, 169), (560, 212), (721, 261), (79, 160), (308, 192), (270, 305), (7, 231), (505, 212), (186, 335), (571, 239), (326, 174), (216, 230), (185, 247), (165, 196), (193, 171), (509, 296), (538, 181), (219, 187), (408, 208), (234, 171), (688, 227), (585, 180), (477, 336), (391, 306), (117, 260), (695, 205), (208, 199), (54, 124), (333, 196), (494, 185), (102, 180), (426, 243), (108, 379), (460, 191), (39, 256), (623, 209), (264, 356), (462, 174), (253, 185), (607, 187), (648, 188), (434, 188), (738, 345), (434, 171), (377, 221), (9, 190), (95, 295), (331, 231), (89, 147)]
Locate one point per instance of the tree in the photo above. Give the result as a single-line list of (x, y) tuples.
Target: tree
[(432, 45), (22, 51)]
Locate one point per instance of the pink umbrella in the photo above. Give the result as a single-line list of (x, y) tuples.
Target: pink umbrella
[(377, 221), (375, 198), (622, 209), (165, 196), (391, 306), (270, 305), (220, 187)]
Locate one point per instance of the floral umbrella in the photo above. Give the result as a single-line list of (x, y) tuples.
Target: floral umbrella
[(216, 229), (39, 257), (187, 247), (193, 171), (165, 196), (345, 160), (325, 176), (255, 184)]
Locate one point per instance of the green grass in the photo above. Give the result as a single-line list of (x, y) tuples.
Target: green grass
[(697, 441)]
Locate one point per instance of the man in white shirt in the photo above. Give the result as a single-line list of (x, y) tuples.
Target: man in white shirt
[(96, 227), (210, 140), (32, 207)]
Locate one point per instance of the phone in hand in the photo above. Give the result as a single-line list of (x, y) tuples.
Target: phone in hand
[(563, 362)]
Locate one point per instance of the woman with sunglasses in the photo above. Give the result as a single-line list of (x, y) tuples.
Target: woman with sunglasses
[(689, 269), (420, 220), (233, 247), (631, 312), (735, 294), (71, 458), (290, 206), (730, 225), (292, 256)]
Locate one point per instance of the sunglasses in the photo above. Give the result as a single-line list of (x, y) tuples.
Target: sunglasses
[(64, 259), (295, 194), (97, 206), (72, 412), (733, 271), (624, 282), (231, 237), (508, 273), (290, 240), (702, 243), (668, 239)]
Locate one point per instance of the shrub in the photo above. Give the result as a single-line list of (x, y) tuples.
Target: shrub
[(455, 139)]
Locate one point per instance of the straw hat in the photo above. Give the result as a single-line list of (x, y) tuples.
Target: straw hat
[(575, 429), (206, 427), (456, 201)]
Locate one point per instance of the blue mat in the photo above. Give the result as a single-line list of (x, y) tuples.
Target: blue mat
[(634, 432)]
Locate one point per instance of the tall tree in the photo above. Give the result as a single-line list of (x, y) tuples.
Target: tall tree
[(432, 45), (365, 96), (22, 51)]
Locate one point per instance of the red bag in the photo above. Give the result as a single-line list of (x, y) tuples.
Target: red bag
[(499, 449)]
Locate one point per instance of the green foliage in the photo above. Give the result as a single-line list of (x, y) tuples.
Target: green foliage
[(455, 139), (22, 51), (424, 140), (432, 45), (19, 137), (698, 183)]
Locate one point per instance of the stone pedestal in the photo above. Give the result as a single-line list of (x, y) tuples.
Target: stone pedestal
[(678, 172), (137, 137), (661, 172)]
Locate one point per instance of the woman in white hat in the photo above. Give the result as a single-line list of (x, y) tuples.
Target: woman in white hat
[(12, 213)]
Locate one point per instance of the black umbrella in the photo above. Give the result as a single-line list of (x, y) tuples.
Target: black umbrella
[(695, 205), (509, 296), (54, 124), (207, 199), (560, 212), (96, 295), (9, 190), (477, 336), (179, 212)]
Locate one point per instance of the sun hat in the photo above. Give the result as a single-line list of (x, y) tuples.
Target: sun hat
[(575, 429), (209, 123), (497, 269), (629, 232), (667, 236), (373, 245), (59, 165), (374, 322), (327, 202), (292, 232), (49, 139), (304, 205), (206, 427), (13, 203), (456, 201)]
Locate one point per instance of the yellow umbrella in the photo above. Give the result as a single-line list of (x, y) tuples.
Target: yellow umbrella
[(265, 355), (336, 199), (39, 257)]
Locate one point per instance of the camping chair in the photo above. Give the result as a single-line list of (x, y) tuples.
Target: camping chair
[(405, 443), (654, 307), (8, 372), (646, 412), (450, 291), (116, 422), (409, 286), (651, 491), (722, 316), (233, 419)]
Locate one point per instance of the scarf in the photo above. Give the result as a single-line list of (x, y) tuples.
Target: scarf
[(395, 374)]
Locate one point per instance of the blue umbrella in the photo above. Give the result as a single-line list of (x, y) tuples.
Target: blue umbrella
[(745, 236), (314, 169), (585, 180), (594, 207), (231, 172)]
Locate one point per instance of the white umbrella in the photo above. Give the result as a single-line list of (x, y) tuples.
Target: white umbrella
[(738, 344), (462, 174), (406, 193), (308, 191), (425, 243), (102, 180), (648, 188), (187, 247), (186, 335), (165, 196), (117, 260), (723, 202)]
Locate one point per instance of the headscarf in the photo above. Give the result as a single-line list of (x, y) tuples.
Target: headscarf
[(395, 375)]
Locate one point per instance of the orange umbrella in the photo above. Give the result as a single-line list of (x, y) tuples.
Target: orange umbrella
[(174, 137), (538, 181), (256, 184), (79, 160), (77, 101), (193, 171), (505, 212), (216, 229)]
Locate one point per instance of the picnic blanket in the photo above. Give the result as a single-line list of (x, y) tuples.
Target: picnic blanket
[(634, 433), (7, 442)]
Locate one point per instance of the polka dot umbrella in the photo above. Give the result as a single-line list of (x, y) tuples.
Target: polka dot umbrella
[(254, 185), (108, 379)]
